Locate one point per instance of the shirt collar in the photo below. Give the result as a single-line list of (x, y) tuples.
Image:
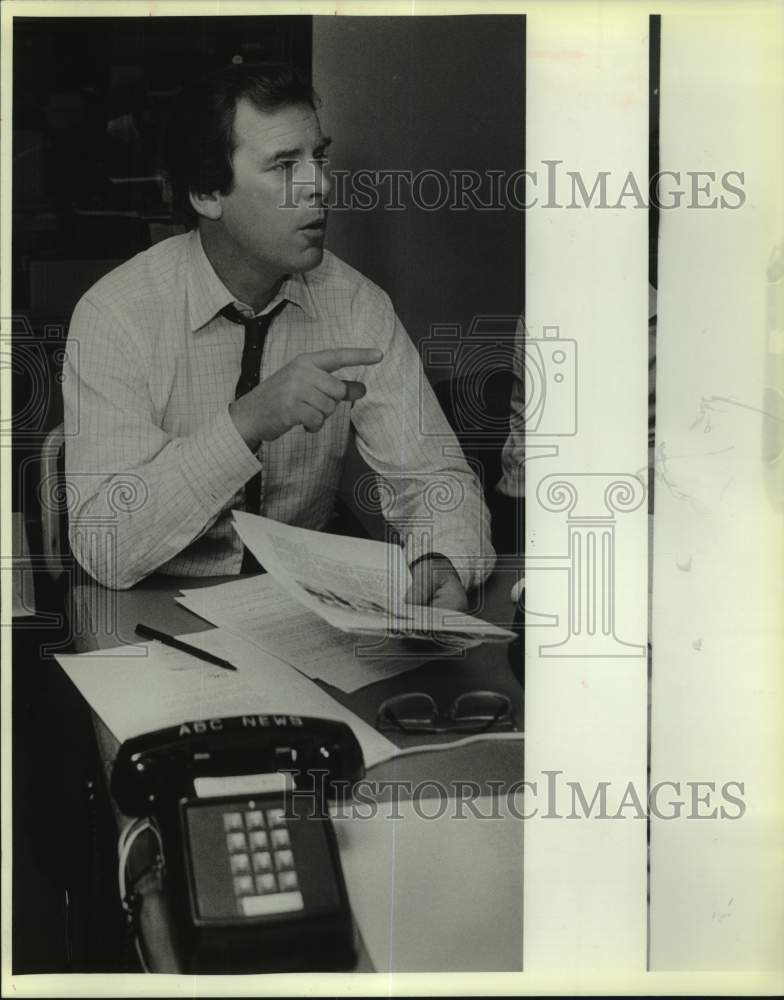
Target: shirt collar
[(207, 294)]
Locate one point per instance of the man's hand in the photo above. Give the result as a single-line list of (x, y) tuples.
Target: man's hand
[(303, 392), (435, 582)]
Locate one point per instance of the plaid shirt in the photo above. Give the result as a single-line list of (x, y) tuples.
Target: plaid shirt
[(154, 463)]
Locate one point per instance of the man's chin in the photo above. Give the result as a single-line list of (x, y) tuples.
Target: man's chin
[(308, 259)]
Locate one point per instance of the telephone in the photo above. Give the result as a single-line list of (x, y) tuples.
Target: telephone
[(251, 865)]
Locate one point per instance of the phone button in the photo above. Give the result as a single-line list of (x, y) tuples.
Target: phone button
[(243, 886), (284, 859), (280, 902), (232, 821), (258, 840), (266, 883), (288, 881), (276, 817), (262, 862), (236, 842), (240, 864), (280, 838)]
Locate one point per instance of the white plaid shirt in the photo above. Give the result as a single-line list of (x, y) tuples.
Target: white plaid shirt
[(154, 463)]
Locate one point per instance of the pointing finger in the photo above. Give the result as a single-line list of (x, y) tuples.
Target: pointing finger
[(345, 357)]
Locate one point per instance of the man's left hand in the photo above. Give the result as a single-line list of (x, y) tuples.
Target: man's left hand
[(434, 581)]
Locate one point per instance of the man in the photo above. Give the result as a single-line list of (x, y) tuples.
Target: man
[(178, 411)]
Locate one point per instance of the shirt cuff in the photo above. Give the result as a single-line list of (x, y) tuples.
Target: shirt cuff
[(217, 463), (471, 570)]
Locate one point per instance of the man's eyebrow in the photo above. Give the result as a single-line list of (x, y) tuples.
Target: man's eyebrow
[(295, 154)]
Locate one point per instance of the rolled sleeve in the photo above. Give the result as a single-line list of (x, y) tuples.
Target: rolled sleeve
[(216, 462)]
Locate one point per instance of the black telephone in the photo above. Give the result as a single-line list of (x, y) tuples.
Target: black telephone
[(252, 872)]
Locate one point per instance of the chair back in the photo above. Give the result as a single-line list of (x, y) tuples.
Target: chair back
[(52, 500)]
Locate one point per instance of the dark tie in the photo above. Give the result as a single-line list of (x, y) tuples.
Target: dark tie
[(256, 329)]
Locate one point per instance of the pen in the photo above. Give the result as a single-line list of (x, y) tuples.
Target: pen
[(169, 640)]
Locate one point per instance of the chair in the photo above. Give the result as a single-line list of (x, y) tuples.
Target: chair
[(52, 492)]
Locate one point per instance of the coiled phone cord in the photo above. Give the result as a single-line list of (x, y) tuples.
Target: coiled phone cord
[(129, 898)]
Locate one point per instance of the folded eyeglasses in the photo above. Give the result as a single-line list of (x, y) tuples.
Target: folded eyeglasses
[(471, 712)]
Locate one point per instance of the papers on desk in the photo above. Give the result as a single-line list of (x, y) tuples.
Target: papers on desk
[(260, 610), (356, 585), (138, 689)]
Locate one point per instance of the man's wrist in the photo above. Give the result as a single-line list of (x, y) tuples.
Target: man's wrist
[(435, 556), (244, 419)]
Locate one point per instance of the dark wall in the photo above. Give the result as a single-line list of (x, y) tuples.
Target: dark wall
[(428, 93)]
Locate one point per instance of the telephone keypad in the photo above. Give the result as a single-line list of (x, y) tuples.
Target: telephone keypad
[(262, 862)]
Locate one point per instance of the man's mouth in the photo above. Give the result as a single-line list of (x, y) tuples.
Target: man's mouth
[(315, 225)]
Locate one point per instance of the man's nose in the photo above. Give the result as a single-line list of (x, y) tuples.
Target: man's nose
[(314, 183)]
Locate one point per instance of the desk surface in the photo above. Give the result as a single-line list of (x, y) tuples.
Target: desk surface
[(102, 619)]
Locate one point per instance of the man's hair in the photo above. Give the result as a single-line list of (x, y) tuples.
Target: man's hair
[(199, 140)]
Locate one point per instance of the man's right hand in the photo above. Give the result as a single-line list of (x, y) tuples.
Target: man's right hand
[(304, 392)]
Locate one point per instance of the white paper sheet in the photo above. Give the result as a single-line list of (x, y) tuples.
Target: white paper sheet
[(261, 610), (318, 568), (141, 688), (414, 872), (359, 586)]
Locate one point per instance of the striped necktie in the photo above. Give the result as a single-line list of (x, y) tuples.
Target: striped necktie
[(256, 330)]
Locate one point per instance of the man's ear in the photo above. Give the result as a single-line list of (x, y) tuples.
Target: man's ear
[(207, 205)]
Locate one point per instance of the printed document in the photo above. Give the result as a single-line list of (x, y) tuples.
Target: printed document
[(261, 610), (357, 585)]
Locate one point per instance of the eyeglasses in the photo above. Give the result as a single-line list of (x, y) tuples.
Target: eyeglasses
[(471, 712)]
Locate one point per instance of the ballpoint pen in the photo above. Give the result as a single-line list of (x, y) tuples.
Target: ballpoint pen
[(168, 640)]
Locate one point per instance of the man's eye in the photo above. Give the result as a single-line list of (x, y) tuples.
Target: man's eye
[(285, 165)]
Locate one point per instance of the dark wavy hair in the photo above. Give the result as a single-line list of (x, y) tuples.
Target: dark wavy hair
[(199, 140)]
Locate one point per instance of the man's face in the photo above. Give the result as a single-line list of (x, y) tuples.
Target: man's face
[(274, 215)]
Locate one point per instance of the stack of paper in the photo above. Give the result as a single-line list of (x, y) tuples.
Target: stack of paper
[(260, 610)]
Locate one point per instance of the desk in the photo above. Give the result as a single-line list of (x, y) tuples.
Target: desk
[(104, 618)]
